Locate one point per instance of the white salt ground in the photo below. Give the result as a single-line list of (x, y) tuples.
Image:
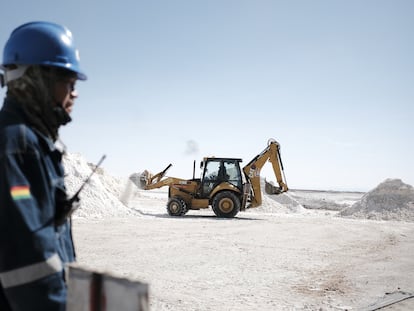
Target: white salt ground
[(279, 256)]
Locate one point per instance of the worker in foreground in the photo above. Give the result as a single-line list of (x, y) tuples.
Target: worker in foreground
[(40, 68)]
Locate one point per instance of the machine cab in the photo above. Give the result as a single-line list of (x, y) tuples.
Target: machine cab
[(219, 170)]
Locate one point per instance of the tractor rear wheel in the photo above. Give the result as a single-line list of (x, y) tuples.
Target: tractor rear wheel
[(226, 204), (176, 207)]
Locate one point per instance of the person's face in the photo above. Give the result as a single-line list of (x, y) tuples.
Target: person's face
[(65, 93)]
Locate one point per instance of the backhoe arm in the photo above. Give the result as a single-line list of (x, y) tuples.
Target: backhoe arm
[(252, 172)]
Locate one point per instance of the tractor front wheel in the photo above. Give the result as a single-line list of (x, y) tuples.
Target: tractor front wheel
[(176, 207)]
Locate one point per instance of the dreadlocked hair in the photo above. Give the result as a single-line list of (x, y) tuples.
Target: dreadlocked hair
[(34, 91)]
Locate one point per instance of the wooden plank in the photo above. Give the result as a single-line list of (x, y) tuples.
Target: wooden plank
[(98, 291)]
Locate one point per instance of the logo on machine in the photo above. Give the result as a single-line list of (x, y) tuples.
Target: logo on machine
[(254, 171)]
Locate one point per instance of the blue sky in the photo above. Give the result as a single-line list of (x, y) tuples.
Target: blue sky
[(173, 81)]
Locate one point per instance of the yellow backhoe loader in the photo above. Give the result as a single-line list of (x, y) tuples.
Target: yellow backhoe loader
[(223, 185)]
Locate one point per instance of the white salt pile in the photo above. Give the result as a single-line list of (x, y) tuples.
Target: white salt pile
[(100, 196), (277, 203), (390, 200)]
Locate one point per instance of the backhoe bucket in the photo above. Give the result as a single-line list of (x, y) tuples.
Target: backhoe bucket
[(271, 189)]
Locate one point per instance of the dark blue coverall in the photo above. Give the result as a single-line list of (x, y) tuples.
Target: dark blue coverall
[(33, 250)]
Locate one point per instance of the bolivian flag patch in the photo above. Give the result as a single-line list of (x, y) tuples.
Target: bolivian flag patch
[(20, 192)]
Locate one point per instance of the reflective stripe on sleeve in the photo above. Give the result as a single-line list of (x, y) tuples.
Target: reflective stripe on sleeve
[(32, 272)]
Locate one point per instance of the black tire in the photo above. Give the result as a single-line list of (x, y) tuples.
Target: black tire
[(176, 207), (226, 204)]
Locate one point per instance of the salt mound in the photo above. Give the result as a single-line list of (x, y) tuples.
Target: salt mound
[(390, 200), (278, 203), (99, 198)]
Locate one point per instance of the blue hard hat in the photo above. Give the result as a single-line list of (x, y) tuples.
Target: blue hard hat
[(42, 43)]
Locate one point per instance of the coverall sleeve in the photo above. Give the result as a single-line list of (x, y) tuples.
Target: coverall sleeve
[(31, 271)]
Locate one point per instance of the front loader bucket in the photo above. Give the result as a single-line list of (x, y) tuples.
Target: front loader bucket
[(142, 182), (139, 179)]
